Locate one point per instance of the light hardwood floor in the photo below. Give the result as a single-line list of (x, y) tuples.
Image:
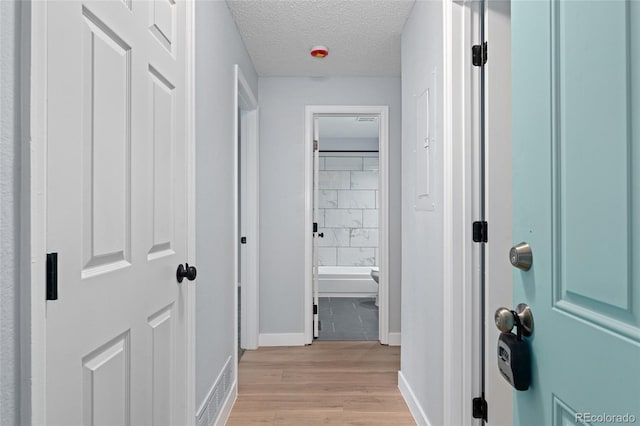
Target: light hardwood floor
[(327, 383)]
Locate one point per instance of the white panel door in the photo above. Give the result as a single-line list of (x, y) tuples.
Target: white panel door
[(116, 212)]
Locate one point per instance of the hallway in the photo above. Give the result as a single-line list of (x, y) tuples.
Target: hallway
[(157, 157), (335, 383)]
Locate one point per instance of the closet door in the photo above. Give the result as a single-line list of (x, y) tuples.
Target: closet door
[(116, 212)]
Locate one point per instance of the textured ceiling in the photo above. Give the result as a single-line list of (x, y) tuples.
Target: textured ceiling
[(363, 36)]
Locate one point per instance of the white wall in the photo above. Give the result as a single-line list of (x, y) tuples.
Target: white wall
[(422, 231), (10, 137), (218, 48), (282, 108)]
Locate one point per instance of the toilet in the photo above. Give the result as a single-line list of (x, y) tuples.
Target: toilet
[(375, 274)]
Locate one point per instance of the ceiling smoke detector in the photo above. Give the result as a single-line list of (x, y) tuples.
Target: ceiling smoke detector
[(319, 51)]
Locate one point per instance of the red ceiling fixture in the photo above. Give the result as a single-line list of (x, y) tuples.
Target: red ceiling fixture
[(319, 51)]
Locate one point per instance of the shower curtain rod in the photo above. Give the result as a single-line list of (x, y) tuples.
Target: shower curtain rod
[(348, 150)]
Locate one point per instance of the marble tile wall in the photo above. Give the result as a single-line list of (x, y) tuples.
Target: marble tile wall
[(348, 209)]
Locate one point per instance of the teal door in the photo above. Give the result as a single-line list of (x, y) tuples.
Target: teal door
[(576, 176)]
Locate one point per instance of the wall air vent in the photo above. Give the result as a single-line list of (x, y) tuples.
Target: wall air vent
[(210, 411)]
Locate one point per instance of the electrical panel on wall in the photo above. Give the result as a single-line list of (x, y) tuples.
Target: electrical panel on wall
[(425, 150)]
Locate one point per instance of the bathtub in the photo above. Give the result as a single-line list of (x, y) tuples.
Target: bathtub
[(346, 281)]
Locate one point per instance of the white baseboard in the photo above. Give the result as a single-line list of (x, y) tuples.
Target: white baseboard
[(416, 410), (225, 412), (394, 339), (282, 339)]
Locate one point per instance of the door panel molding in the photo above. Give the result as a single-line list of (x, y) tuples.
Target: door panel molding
[(562, 414), (592, 281), (106, 201), (162, 106), (107, 371), (162, 339)]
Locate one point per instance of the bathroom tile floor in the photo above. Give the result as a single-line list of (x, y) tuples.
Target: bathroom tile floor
[(348, 318)]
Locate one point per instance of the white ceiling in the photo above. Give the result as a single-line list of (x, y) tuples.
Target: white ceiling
[(363, 36), (347, 127)]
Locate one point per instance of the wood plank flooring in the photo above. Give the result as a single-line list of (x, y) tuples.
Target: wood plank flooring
[(327, 383)]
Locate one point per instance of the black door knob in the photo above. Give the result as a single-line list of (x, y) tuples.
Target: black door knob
[(186, 271)]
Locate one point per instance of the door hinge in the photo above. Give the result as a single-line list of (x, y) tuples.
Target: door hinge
[(315, 309), (243, 240), (52, 276), (480, 232), (315, 145), (479, 54), (480, 409)]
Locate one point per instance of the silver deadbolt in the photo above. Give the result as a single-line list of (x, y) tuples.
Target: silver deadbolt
[(506, 319), (521, 257)]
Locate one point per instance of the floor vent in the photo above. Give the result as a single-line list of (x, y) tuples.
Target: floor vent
[(211, 408)]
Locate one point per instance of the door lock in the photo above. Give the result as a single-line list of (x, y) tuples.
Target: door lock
[(522, 318), (514, 355), (521, 257)]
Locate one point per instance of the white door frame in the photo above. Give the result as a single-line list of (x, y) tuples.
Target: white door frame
[(383, 244), (246, 118), (462, 347), (190, 102), (499, 272), (458, 212), (35, 191)]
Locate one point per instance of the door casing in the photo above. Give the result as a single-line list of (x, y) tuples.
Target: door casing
[(462, 299), (246, 119), (499, 272), (34, 190), (460, 204), (383, 292)]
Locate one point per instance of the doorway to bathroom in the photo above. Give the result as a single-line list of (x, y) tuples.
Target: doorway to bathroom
[(246, 201), (346, 283)]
